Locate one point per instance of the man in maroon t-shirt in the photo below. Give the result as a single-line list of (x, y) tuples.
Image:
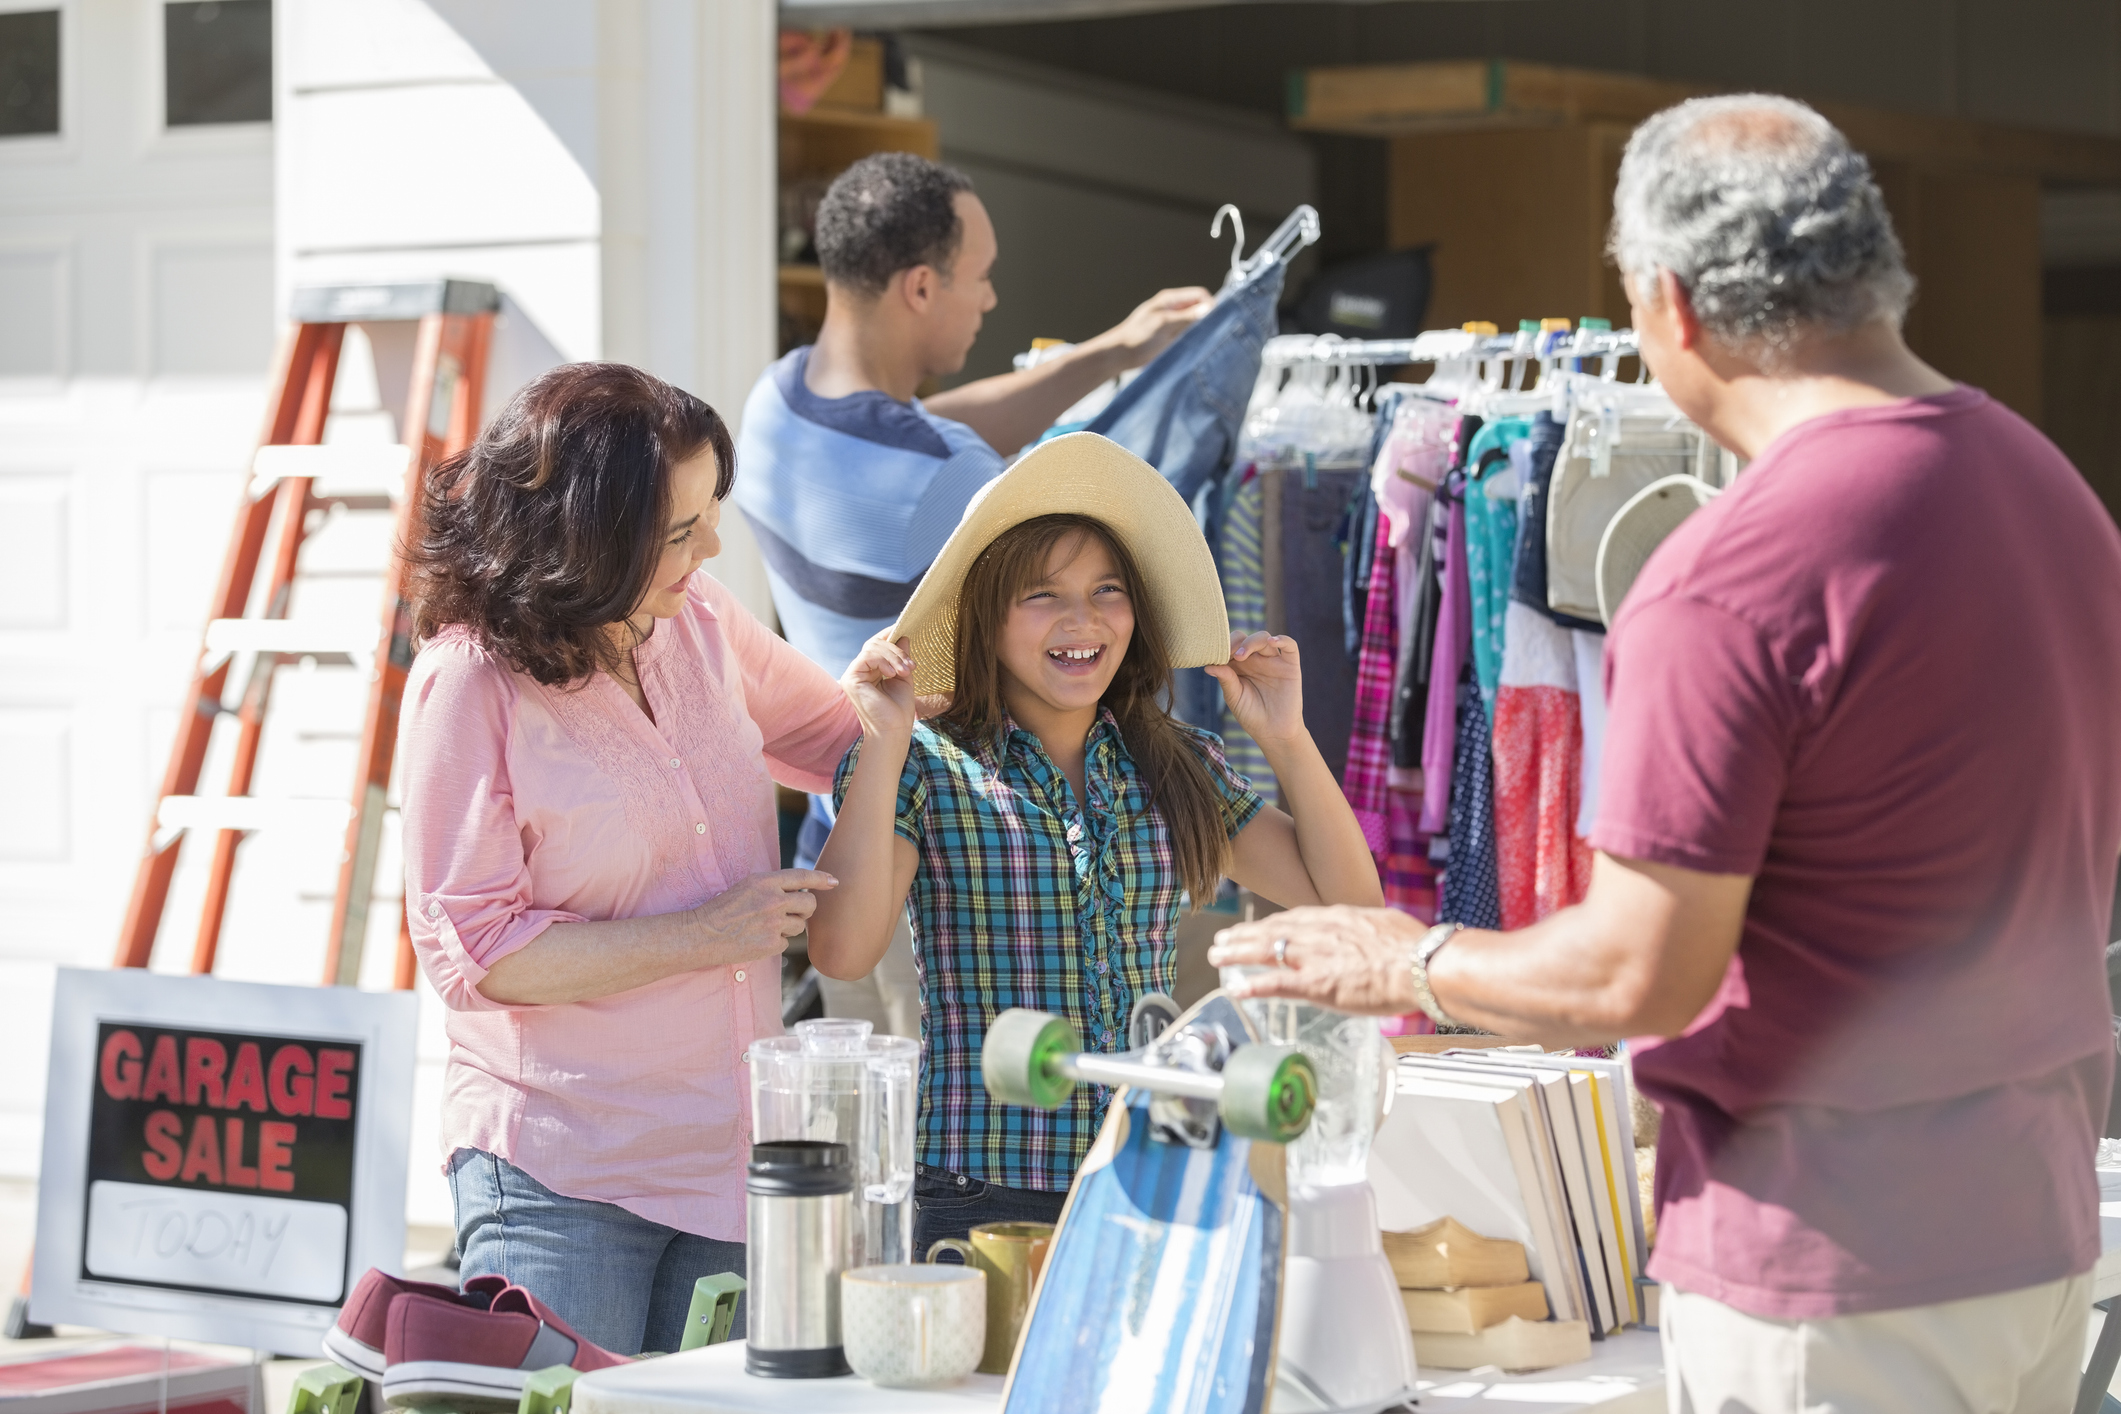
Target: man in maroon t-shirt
[(1857, 829)]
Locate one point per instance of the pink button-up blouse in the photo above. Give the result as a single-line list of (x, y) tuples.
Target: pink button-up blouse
[(527, 806)]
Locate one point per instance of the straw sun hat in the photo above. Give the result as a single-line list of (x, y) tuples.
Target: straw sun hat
[(1081, 474)]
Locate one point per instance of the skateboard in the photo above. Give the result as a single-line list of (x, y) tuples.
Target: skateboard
[(1162, 1290)]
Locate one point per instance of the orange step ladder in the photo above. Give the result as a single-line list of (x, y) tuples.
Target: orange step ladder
[(294, 474)]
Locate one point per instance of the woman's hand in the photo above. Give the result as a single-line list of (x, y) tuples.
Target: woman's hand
[(879, 682), (579, 962), (756, 917), (1263, 683)]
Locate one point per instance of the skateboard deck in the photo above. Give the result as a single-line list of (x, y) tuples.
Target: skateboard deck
[(1162, 1291)]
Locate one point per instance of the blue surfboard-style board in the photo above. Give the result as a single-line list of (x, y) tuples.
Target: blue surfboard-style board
[(1162, 1292)]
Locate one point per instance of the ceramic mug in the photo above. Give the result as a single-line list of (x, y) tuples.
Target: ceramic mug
[(1012, 1255), (911, 1326)]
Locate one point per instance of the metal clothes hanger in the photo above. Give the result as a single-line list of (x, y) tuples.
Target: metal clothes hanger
[(1237, 244), (1297, 230)]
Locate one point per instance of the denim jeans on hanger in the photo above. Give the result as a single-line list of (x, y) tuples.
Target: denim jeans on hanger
[(1314, 518), (1183, 414), (1311, 510)]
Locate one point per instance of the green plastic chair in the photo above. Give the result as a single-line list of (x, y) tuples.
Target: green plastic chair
[(548, 1391), (713, 1311), (326, 1389)]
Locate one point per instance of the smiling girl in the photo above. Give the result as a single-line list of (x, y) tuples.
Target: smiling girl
[(1045, 827)]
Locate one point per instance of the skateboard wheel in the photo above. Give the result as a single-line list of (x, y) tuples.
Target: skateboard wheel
[(1268, 1093), (1020, 1058)]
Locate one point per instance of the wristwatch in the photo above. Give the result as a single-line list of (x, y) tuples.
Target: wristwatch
[(1427, 948)]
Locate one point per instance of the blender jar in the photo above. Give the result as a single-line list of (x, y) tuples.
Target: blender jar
[(1353, 1063), (834, 1082)]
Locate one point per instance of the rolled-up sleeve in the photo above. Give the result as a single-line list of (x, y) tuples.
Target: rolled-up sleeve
[(467, 885), (805, 718)]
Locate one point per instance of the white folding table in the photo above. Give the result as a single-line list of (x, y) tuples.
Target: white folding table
[(1625, 1375)]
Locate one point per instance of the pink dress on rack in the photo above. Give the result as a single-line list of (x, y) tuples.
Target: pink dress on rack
[(1542, 864)]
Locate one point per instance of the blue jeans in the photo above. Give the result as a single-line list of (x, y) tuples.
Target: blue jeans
[(621, 1281), (1183, 413), (951, 1205), (1314, 521)]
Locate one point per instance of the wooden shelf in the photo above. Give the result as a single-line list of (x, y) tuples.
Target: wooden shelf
[(825, 142), (817, 146), (880, 124), (1384, 100), (801, 297), (1964, 197)]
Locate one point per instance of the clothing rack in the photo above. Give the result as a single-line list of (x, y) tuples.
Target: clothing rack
[(1450, 345), (1410, 525)]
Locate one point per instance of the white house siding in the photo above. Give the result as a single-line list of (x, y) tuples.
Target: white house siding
[(136, 325), (607, 163)]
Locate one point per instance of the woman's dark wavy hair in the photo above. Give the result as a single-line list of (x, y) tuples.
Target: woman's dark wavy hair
[(549, 528)]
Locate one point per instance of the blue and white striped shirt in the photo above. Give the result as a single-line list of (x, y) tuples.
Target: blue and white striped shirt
[(851, 499)]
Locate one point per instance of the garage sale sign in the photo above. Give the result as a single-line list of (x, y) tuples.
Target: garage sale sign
[(221, 1159)]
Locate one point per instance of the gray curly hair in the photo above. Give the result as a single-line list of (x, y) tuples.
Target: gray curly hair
[(1764, 214)]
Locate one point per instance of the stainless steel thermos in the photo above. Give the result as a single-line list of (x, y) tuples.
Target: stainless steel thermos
[(799, 1194)]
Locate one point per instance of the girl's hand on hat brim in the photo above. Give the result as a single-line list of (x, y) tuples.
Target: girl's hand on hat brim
[(1263, 684), (879, 682)]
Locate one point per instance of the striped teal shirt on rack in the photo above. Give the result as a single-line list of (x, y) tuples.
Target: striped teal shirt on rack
[(1024, 900)]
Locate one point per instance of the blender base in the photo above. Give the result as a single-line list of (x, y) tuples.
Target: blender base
[(1344, 1346)]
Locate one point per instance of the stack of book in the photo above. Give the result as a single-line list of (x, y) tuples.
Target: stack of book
[(1471, 1302), (1523, 1147)]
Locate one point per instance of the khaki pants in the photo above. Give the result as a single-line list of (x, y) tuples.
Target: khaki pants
[(889, 998), (2019, 1352)]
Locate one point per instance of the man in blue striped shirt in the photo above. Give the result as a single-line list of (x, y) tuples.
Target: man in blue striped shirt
[(850, 482)]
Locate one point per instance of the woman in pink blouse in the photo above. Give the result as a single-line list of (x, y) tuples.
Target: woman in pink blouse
[(592, 730)]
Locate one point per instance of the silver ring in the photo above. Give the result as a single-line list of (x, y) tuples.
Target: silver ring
[(1281, 952)]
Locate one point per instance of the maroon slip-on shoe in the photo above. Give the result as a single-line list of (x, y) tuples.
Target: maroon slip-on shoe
[(440, 1352), (356, 1339)]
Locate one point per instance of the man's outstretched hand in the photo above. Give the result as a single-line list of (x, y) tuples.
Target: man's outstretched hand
[(1010, 409), (1156, 321)]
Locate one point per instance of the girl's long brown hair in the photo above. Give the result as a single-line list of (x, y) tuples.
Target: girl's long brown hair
[(1170, 763)]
